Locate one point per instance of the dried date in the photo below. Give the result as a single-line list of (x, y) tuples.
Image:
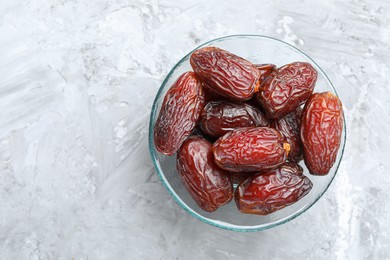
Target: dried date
[(219, 117), (287, 88), (250, 149), (225, 73), (208, 185), (268, 192), (179, 113), (289, 126), (321, 129)]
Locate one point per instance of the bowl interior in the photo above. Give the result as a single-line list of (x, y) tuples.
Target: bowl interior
[(258, 50)]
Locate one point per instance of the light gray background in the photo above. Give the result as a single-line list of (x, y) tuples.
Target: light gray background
[(77, 80)]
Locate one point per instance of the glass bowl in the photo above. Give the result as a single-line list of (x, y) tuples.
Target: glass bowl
[(257, 49)]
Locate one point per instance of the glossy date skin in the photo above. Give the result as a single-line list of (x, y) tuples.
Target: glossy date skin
[(250, 149), (287, 88), (268, 192), (219, 117), (321, 130), (208, 185), (289, 126), (225, 73), (179, 113)]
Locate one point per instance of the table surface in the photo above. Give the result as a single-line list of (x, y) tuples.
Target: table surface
[(77, 81)]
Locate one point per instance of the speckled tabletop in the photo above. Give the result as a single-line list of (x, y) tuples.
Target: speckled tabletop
[(77, 81)]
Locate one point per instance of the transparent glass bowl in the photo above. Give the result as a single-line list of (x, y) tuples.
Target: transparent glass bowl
[(257, 49)]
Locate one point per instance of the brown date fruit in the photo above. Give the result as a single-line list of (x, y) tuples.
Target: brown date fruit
[(219, 117), (265, 70), (289, 126), (225, 73), (208, 185), (179, 113), (321, 130), (287, 88), (250, 149), (268, 192)]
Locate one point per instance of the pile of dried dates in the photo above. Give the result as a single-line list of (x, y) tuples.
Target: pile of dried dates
[(234, 122)]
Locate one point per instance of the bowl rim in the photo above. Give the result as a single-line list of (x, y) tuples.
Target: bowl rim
[(178, 200)]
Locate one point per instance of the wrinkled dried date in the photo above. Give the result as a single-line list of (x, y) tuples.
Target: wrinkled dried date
[(250, 149), (265, 193), (321, 129), (287, 88), (219, 117), (208, 185), (227, 74), (289, 126), (179, 113)]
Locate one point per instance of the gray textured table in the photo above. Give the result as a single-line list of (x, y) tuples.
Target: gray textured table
[(77, 80)]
